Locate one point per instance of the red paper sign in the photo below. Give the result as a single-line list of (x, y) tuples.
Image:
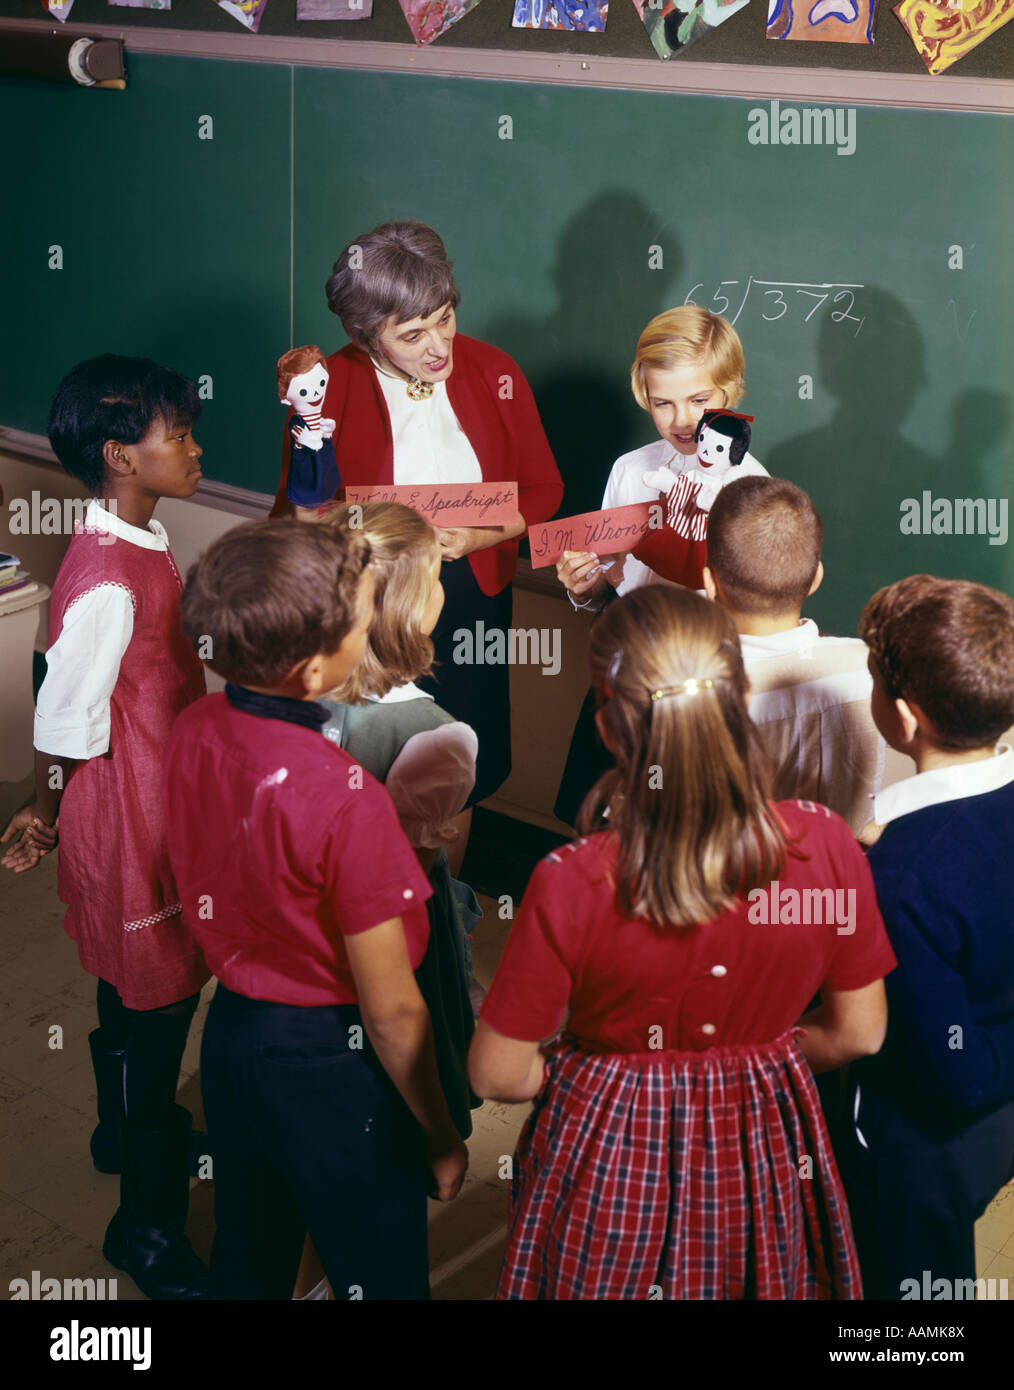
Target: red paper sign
[(606, 533), (448, 504)]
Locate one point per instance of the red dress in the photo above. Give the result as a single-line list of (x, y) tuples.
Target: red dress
[(677, 1148), (123, 910)]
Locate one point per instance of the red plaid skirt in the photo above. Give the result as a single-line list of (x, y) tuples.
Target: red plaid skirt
[(678, 1175)]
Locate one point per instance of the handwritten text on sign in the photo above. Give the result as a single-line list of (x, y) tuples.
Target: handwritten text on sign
[(606, 533), (449, 504)]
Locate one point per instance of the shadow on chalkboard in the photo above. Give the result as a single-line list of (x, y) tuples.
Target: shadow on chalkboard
[(606, 293), (859, 466)]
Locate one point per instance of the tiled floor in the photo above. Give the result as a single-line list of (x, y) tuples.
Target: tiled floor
[(54, 1207)]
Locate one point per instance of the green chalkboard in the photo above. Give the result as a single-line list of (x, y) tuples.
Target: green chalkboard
[(878, 366)]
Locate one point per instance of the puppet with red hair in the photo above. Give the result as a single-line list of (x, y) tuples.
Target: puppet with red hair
[(313, 472)]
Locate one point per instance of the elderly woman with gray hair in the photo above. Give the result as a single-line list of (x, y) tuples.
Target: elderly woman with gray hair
[(414, 401)]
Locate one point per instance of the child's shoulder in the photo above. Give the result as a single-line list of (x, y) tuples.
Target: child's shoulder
[(648, 456), (302, 759), (950, 839), (813, 821), (585, 860)]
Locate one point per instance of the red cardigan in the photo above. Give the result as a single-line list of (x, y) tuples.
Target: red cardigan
[(494, 406)]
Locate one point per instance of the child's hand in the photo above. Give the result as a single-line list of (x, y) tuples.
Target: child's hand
[(457, 541), (870, 834), (448, 1164), (32, 837), (578, 571)]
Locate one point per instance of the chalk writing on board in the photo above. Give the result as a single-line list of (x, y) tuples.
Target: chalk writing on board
[(779, 296)]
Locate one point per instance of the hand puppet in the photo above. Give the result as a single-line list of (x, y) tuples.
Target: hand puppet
[(677, 551), (313, 469)]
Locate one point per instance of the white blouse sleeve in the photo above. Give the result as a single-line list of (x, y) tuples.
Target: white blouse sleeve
[(429, 782), (82, 668)]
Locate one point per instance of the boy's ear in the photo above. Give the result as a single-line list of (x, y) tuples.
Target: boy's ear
[(710, 587), (310, 674), (818, 579), (912, 721), (114, 456)]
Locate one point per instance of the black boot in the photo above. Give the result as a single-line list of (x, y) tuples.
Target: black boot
[(145, 1238), (108, 1068), (109, 1084)]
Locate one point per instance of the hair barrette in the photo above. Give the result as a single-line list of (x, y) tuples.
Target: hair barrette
[(687, 687)]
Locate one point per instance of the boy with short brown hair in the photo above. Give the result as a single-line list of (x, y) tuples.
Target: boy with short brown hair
[(809, 694), (933, 1136)]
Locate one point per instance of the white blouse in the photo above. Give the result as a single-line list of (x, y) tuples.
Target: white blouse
[(83, 664), (429, 444)]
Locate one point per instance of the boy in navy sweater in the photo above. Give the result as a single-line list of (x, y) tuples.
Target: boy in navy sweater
[(933, 1138)]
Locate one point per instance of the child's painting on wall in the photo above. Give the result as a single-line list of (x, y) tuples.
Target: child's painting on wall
[(822, 21), (428, 19), (673, 27), (589, 15), (943, 33)]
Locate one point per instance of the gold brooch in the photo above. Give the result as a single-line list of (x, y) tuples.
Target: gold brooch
[(417, 390)]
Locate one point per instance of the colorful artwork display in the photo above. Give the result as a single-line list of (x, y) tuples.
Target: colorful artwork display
[(943, 33), (334, 9), (59, 9), (428, 19), (674, 26), (589, 15), (248, 12), (826, 21)]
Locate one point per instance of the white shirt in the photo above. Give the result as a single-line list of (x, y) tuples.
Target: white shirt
[(430, 779), (83, 664), (945, 784), (810, 700), (429, 444), (625, 486)]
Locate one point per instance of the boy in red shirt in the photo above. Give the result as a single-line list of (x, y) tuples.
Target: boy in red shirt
[(318, 1065)]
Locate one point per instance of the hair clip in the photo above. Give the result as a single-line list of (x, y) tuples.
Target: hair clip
[(687, 687)]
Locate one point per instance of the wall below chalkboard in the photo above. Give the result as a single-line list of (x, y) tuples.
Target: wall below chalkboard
[(195, 217)]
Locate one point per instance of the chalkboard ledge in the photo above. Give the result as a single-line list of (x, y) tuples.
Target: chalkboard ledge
[(829, 86)]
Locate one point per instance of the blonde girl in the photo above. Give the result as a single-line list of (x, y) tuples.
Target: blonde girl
[(425, 758), (687, 361), (677, 1146)]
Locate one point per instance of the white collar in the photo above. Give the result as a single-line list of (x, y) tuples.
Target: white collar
[(98, 518), (399, 695), (944, 784), (793, 639)]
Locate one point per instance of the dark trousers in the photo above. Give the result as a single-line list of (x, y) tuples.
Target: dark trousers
[(309, 1134), (914, 1196)]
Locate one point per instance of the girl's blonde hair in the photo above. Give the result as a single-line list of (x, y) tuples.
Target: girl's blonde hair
[(404, 553), (690, 334), (688, 799)]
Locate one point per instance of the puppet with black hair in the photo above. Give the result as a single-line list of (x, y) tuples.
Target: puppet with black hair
[(678, 550), (313, 470)]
